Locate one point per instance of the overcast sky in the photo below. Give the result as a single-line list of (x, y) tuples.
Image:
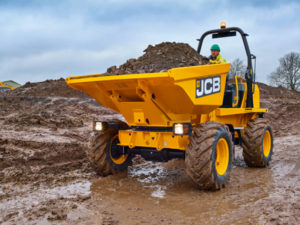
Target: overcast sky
[(49, 39)]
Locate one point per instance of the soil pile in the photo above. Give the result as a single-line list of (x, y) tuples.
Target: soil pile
[(160, 58), (35, 130), (284, 108), (48, 88)]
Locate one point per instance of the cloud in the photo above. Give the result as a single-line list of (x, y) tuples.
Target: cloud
[(49, 39)]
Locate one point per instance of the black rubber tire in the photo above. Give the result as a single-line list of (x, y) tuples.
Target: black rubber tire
[(252, 143), (97, 153), (201, 155)]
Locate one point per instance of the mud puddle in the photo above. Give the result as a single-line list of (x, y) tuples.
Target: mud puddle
[(161, 193), (28, 198), (65, 203)]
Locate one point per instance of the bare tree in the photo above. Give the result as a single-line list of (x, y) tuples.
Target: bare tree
[(287, 73), (237, 68)]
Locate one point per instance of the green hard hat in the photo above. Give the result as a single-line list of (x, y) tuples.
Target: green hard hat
[(215, 47)]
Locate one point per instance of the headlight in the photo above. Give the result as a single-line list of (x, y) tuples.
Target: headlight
[(99, 126), (182, 128), (178, 128)]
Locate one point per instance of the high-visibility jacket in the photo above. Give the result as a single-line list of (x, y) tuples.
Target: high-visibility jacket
[(218, 59)]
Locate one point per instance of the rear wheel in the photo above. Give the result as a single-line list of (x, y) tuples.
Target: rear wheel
[(105, 155), (209, 155), (257, 143)]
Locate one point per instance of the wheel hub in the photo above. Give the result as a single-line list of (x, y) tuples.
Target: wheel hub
[(267, 143), (222, 156), (118, 154)]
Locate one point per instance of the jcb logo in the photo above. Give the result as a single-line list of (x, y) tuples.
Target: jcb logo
[(208, 86)]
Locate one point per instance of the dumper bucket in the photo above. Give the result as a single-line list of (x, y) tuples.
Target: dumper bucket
[(158, 99)]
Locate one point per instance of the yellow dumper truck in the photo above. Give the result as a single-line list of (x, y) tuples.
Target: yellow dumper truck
[(8, 85), (192, 113)]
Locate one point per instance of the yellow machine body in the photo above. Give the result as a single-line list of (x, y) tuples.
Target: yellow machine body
[(159, 100), (8, 85)]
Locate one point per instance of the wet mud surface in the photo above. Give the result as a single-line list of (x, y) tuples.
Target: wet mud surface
[(161, 193)]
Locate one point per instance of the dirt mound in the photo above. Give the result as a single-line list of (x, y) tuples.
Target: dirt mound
[(48, 88), (283, 105), (53, 128), (58, 112), (267, 91), (160, 58)]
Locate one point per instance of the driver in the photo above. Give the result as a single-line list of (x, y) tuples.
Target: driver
[(215, 56)]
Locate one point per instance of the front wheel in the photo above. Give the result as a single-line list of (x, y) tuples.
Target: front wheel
[(105, 155), (209, 155)]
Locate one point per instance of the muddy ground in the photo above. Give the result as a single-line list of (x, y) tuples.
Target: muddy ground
[(47, 179)]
